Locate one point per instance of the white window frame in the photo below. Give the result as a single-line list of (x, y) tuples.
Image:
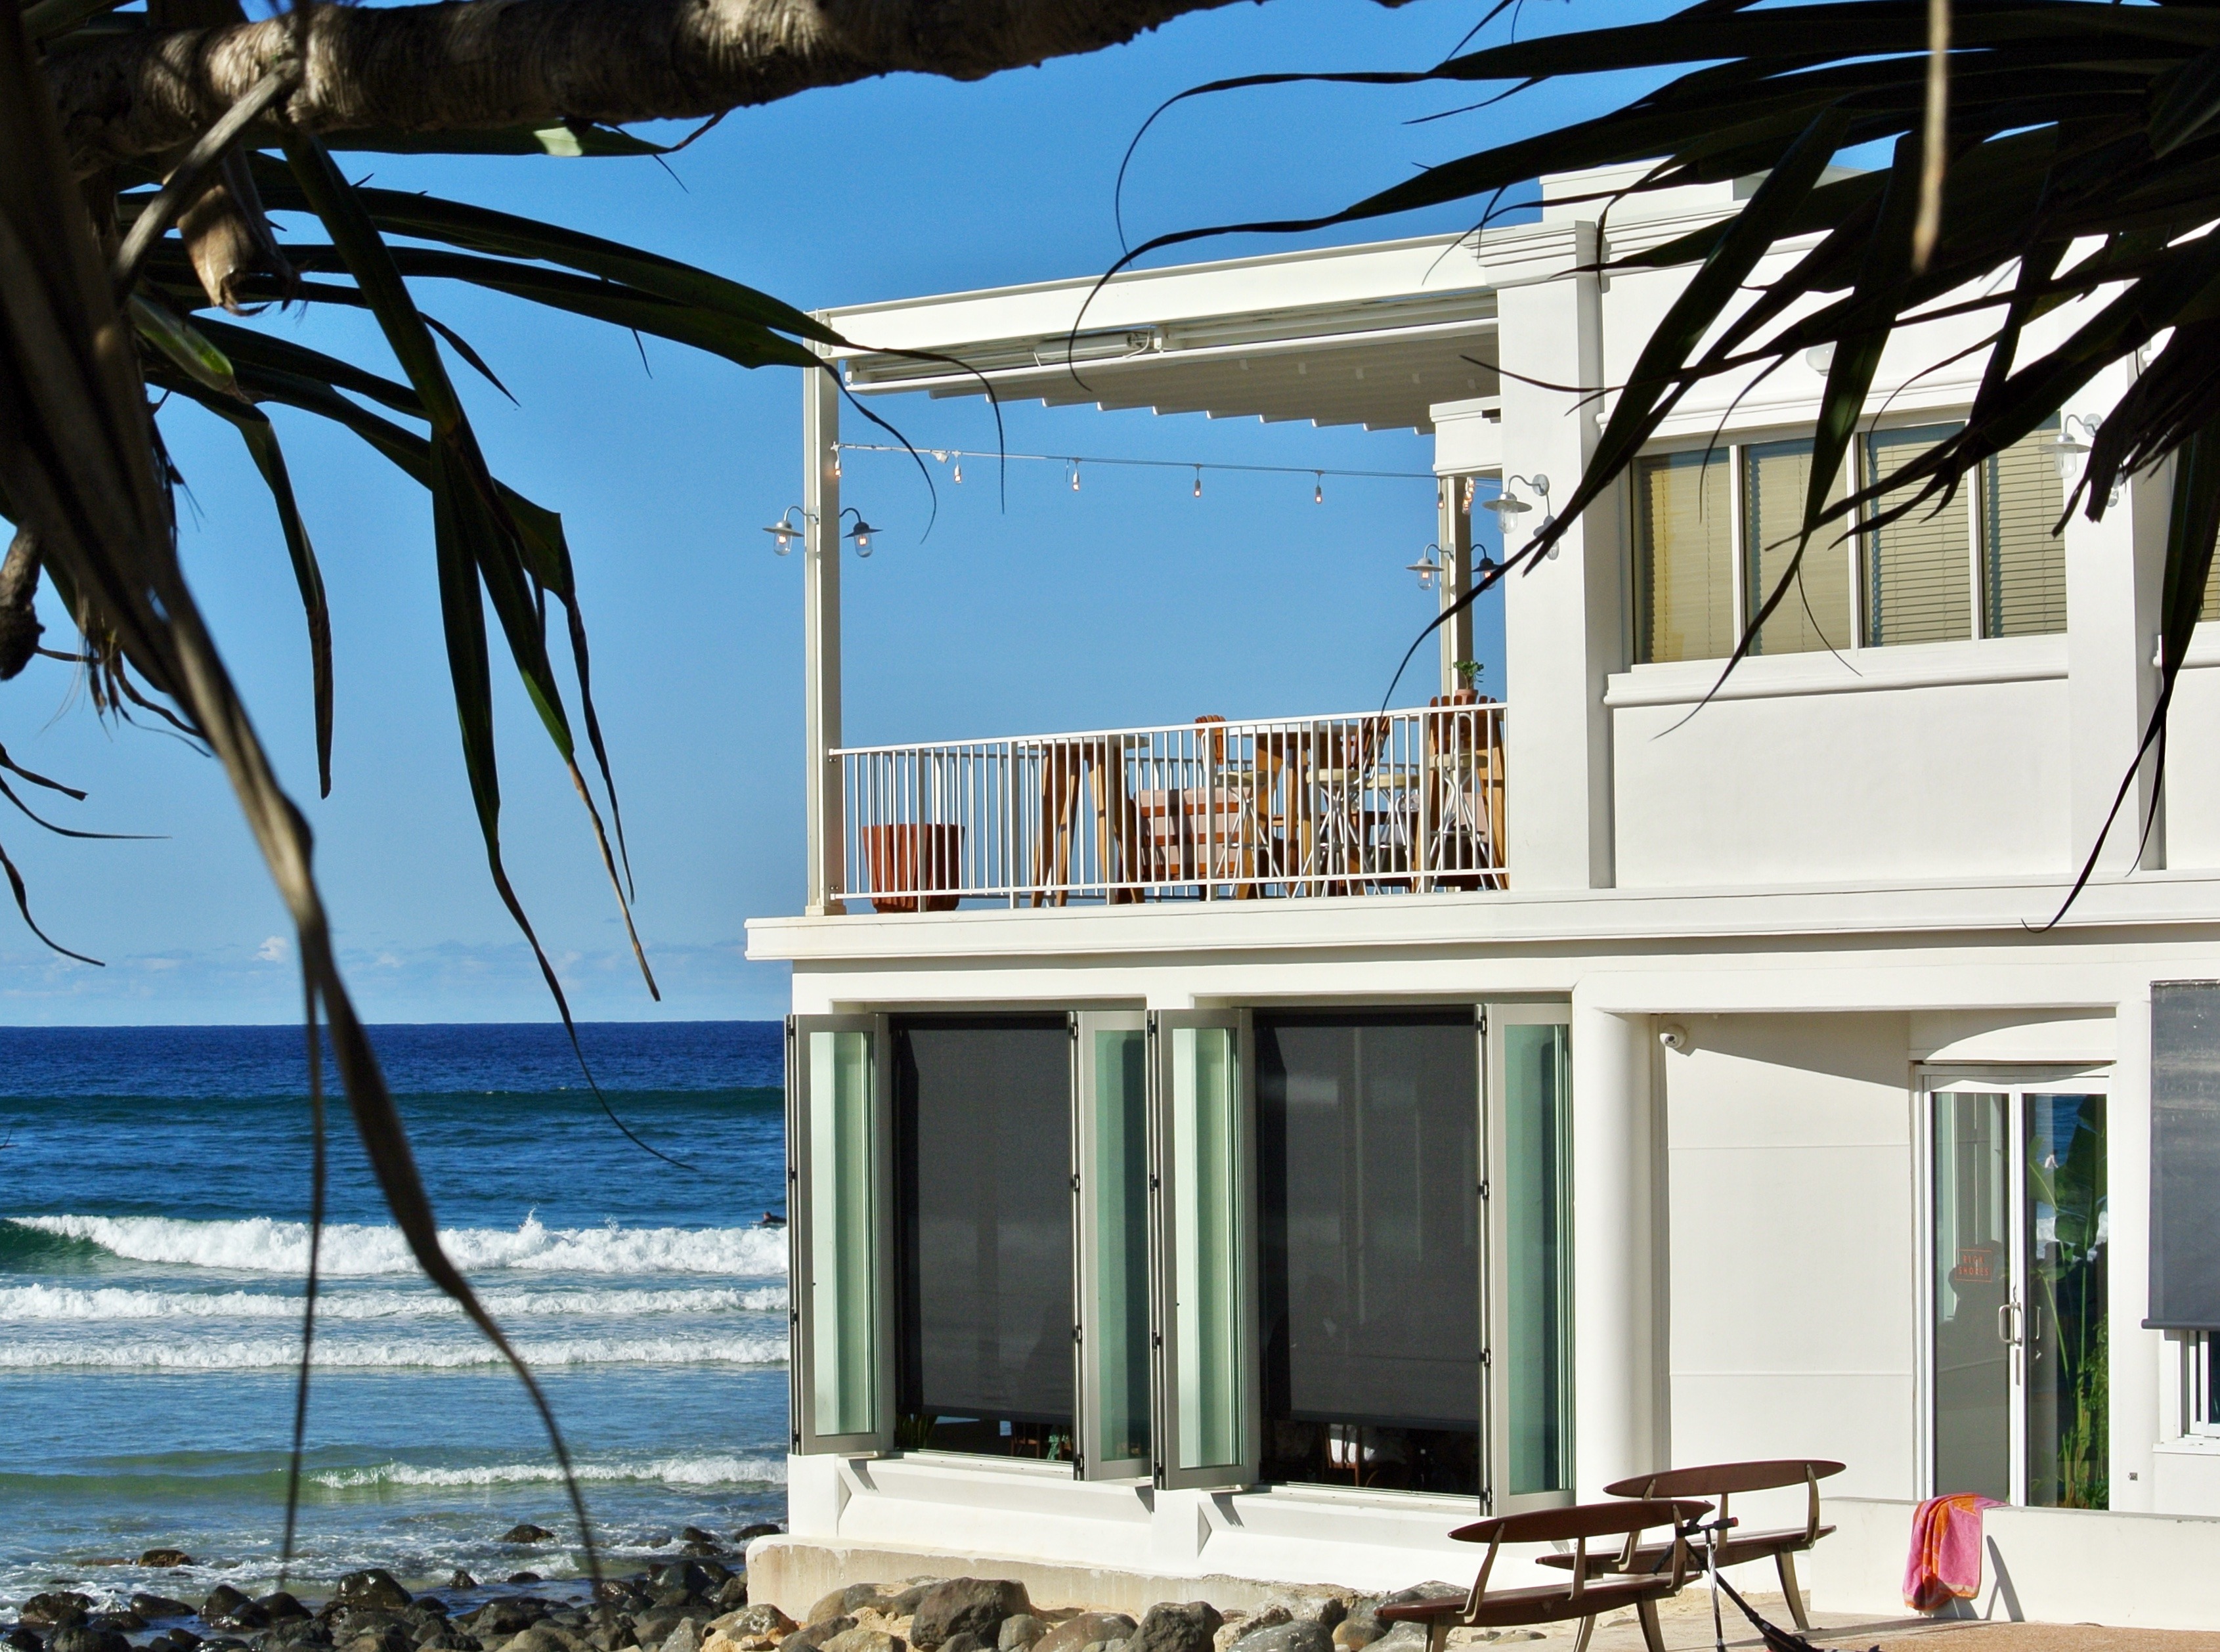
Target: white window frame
[(2200, 1354)]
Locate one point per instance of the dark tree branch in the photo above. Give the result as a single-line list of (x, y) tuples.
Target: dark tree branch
[(509, 63)]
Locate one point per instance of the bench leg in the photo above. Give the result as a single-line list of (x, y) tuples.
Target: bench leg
[(1587, 1628), (1437, 1635), (1652, 1633), (1785, 1563)]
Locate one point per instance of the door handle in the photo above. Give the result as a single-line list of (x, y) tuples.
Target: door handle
[(2008, 1324)]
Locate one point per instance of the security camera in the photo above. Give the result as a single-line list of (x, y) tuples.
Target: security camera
[(1673, 1036)]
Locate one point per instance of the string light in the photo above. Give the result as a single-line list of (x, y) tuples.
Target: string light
[(1075, 476), (836, 460), (1317, 493), (1198, 482), (1072, 462)]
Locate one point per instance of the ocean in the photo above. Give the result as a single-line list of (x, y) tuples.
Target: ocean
[(154, 1186)]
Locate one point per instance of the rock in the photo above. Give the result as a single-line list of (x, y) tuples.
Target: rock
[(1018, 1632), (1402, 1638), (462, 1579), (1295, 1636), (978, 1605), (524, 1532), (374, 1587), (841, 1602), (760, 1617), (964, 1641), (58, 1609), (244, 1615), (687, 1638), (813, 1635), (760, 1529), (175, 1640), (1176, 1628), (733, 1595), (124, 1623), (281, 1607), (386, 1637), (1075, 1634), (166, 1557), (19, 1639), (87, 1639), (524, 1577), (155, 1607), (1325, 1608), (862, 1639), (541, 1637)]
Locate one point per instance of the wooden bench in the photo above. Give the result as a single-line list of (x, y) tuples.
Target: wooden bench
[(1585, 1595), (1721, 1481)]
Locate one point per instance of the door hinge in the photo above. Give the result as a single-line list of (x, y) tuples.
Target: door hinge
[(1483, 1190), (1074, 1333), (1156, 1339), (1155, 1184), (1074, 1181), (1482, 1018), (1486, 1357)]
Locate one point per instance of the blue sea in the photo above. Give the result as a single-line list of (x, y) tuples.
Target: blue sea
[(154, 1188)]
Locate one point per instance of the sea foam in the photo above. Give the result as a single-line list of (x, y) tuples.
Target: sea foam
[(259, 1245), (281, 1353), (669, 1471), (69, 1304)]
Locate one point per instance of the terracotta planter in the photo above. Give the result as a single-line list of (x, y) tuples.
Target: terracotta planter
[(907, 863)]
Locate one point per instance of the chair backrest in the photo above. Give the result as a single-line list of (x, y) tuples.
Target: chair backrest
[(1723, 1480), (1576, 1524)]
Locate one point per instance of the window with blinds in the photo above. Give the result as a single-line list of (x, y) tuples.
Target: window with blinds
[(1683, 606), (2022, 557), (1816, 612), (1917, 567)]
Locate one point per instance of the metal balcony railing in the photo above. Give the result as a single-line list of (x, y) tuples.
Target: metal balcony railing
[(1388, 802)]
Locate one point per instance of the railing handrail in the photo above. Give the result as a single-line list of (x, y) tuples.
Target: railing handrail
[(1229, 725)]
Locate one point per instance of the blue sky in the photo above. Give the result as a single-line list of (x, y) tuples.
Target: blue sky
[(1129, 601)]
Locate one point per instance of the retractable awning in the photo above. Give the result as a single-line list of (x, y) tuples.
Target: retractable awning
[(1370, 335)]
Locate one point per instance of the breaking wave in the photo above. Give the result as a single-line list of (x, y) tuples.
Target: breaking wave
[(669, 1471), (259, 1245), (281, 1353), (68, 1304)]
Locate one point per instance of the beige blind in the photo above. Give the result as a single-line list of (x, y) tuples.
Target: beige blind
[(2023, 562), (1816, 612), (2210, 608), (1918, 584), (1684, 559)]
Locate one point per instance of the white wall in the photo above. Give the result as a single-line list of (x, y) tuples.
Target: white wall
[(2193, 759), (1948, 779), (1793, 1282)]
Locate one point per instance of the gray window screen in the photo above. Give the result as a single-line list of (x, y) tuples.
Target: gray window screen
[(2185, 1255), (1368, 1133), (982, 1153)]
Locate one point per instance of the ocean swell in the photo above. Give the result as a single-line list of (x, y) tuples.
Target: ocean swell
[(47, 1303), (669, 1471), (259, 1245), (282, 1353)]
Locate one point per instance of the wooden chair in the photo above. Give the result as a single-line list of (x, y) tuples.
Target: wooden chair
[(1723, 1481), (1069, 768), (1586, 1594), (1464, 748)]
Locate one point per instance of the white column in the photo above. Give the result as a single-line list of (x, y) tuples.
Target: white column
[(1616, 1410), (2114, 573), (820, 636), (1455, 538), (2137, 1378), (1563, 624)]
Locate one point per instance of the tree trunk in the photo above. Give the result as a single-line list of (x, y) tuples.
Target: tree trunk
[(511, 63)]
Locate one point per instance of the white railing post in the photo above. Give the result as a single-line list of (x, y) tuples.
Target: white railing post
[(820, 637)]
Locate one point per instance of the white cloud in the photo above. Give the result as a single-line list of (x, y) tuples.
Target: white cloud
[(273, 950)]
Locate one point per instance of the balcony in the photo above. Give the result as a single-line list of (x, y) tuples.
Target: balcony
[(1364, 803)]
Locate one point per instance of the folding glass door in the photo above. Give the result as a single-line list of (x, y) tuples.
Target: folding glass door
[(2017, 1366)]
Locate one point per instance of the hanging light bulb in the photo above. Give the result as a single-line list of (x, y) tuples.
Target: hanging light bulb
[(1317, 493), (959, 467), (1468, 494), (836, 461), (1198, 482), (1075, 476)]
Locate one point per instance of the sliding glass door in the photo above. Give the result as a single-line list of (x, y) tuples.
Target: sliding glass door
[(2018, 1373)]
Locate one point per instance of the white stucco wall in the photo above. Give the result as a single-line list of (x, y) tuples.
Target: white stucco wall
[(2192, 758), (1792, 1280)]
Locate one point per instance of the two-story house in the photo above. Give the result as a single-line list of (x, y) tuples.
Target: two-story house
[(1246, 1151)]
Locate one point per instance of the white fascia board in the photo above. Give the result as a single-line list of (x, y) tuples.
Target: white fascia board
[(1468, 436), (2163, 905), (1141, 298), (1853, 671)]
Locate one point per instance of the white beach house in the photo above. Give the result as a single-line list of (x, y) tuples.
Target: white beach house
[(1247, 1150)]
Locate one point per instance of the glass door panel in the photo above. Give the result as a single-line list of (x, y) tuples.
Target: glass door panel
[(1112, 1137), (1204, 1300), (838, 1235), (1536, 1187), (2019, 1371), (2067, 1372), (1973, 1373)]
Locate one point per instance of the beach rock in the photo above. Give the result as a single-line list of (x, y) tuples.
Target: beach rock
[(1294, 1636), (16, 1638), (543, 1637), (733, 1595), (978, 1605), (1360, 1627), (373, 1587), (281, 1607), (166, 1557), (1088, 1628), (56, 1609), (913, 1594), (87, 1639), (1402, 1638), (153, 1607), (965, 1641), (687, 1638), (524, 1532), (1325, 1608), (1176, 1627), (861, 1639), (690, 1575), (462, 1579), (509, 1615), (759, 1618), (654, 1625), (761, 1529), (842, 1601), (386, 1637), (813, 1635), (124, 1623), (1018, 1632), (174, 1640)]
